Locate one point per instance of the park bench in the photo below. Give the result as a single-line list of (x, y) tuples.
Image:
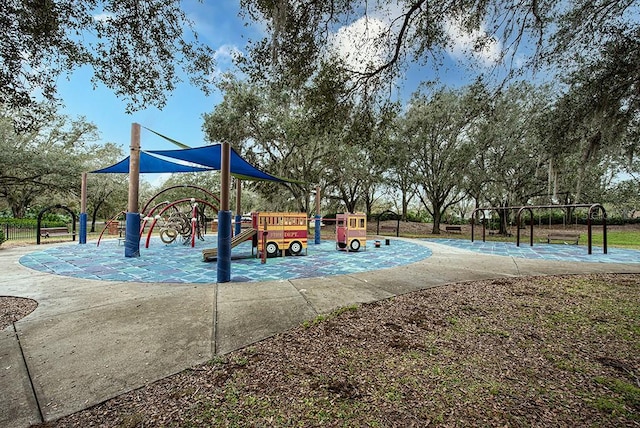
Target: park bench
[(497, 232), (566, 238), (388, 229), (48, 232), (457, 229)]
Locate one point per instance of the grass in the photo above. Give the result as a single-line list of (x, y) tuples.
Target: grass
[(615, 238), (320, 318), (623, 399)]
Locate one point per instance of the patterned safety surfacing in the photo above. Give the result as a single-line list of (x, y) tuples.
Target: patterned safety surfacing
[(560, 252), (176, 263)]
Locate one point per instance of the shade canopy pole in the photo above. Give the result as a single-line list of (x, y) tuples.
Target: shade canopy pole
[(224, 216), (318, 219), (83, 210), (238, 206), (132, 231)]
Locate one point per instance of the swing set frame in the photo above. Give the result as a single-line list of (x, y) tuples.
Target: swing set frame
[(594, 209)]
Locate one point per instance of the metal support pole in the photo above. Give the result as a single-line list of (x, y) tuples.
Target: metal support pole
[(238, 207), (83, 210), (224, 217), (589, 233), (132, 232), (318, 219)]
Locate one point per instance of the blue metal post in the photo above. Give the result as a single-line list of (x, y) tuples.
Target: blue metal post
[(83, 228), (317, 231), (318, 218), (132, 235), (132, 231), (238, 206), (83, 210), (224, 246), (224, 216), (238, 224)]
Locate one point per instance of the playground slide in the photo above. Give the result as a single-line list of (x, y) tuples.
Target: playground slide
[(212, 253)]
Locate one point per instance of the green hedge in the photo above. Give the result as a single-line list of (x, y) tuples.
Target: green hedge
[(33, 223)]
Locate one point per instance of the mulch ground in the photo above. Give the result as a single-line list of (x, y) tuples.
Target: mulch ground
[(14, 308), (538, 351)]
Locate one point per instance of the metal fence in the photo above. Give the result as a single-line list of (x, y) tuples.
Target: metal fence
[(20, 233)]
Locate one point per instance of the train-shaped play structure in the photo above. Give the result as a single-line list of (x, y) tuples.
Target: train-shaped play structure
[(351, 231), (283, 233), (272, 234)]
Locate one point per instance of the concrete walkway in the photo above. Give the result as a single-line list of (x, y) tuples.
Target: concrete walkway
[(92, 340)]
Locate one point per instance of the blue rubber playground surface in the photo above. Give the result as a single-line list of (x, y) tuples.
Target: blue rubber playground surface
[(177, 263), (559, 252)]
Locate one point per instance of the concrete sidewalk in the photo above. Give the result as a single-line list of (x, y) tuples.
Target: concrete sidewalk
[(92, 340)]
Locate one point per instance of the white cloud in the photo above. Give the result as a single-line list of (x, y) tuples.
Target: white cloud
[(475, 43), (227, 53), (367, 42), (224, 57), (361, 44), (102, 17)]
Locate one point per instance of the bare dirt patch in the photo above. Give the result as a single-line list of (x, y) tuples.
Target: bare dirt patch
[(539, 351)]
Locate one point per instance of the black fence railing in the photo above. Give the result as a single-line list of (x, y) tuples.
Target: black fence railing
[(22, 233), (18, 233)]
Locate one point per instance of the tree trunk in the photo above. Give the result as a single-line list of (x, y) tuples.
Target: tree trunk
[(93, 221), (95, 215), (350, 205), (368, 203), (405, 206), (17, 211), (437, 217), (503, 215)]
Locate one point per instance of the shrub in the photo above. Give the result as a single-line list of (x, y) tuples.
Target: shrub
[(56, 221), (419, 216), (385, 216)]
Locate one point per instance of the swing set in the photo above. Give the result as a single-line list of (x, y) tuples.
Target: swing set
[(593, 210)]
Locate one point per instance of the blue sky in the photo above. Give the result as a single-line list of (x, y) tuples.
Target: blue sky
[(219, 26)]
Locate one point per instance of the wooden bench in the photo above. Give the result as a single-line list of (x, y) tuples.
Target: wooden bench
[(48, 232), (497, 232), (566, 238), (457, 229), (391, 229)]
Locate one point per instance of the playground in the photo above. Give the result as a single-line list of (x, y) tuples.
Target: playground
[(177, 263), (272, 235)]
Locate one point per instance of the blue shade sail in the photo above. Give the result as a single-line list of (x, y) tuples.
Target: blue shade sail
[(206, 158), (150, 164), (210, 156)]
